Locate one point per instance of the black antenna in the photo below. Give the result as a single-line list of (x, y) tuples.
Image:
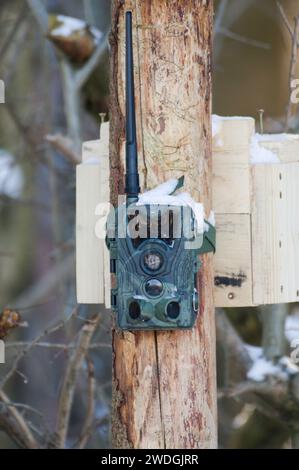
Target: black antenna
[(132, 177)]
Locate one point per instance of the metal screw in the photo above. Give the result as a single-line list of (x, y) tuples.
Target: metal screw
[(102, 117), (261, 113), (231, 295)]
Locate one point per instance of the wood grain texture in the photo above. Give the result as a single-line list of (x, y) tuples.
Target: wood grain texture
[(92, 189), (275, 233), (231, 164), (233, 261), (287, 149), (164, 391), (232, 206)]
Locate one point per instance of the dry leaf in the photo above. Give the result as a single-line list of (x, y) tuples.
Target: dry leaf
[(9, 319)]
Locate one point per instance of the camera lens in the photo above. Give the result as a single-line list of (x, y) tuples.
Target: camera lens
[(153, 287), (173, 310), (152, 261), (134, 310)]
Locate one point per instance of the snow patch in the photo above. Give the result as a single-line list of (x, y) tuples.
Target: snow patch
[(216, 124), (263, 368), (162, 195), (162, 190), (255, 352), (259, 154), (211, 220), (292, 327), (11, 175), (276, 137), (71, 25), (216, 129)]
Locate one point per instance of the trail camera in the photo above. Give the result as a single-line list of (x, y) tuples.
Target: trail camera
[(154, 248)]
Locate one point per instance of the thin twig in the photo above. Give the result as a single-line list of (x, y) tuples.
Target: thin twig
[(21, 354), (84, 73), (40, 14), (219, 16), (85, 434), (39, 291), (292, 71), (44, 344), (10, 37), (243, 39), (69, 381), (294, 55), (64, 146), (15, 425), (284, 18)]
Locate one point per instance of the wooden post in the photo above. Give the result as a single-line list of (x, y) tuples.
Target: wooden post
[(164, 385)]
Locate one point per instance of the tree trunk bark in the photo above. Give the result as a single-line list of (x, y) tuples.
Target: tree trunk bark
[(164, 383)]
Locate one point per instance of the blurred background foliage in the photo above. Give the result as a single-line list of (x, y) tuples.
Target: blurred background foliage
[(252, 51)]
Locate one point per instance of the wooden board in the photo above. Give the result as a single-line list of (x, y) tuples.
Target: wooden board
[(286, 148), (92, 189), (275, 233), (231, 175), (232, 262), (98, 148)]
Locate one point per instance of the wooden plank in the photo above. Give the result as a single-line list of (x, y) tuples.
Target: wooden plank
[(233, 272), (91, 189), (98, 148), (231, 185), (285, 146), (233, 133), (231, 175), (275, 233)]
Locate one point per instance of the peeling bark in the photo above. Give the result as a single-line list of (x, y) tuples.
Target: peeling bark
[(164, 392)]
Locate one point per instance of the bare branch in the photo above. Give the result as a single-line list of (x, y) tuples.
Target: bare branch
[(64, 146), (273, 318), (15, 425), (292, 71), (71, 101), (84, 73), (45, 285), (30, 345), (238, 360), (9, 39), (47, 345), (69, 382), (40, 13), (243, 39), (86, 431), (284, 18), (219, 16)]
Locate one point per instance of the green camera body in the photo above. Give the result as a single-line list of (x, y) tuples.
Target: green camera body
[(155, 277)]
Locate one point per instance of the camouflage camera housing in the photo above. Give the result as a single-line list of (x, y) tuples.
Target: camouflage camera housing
[(155, 277)]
